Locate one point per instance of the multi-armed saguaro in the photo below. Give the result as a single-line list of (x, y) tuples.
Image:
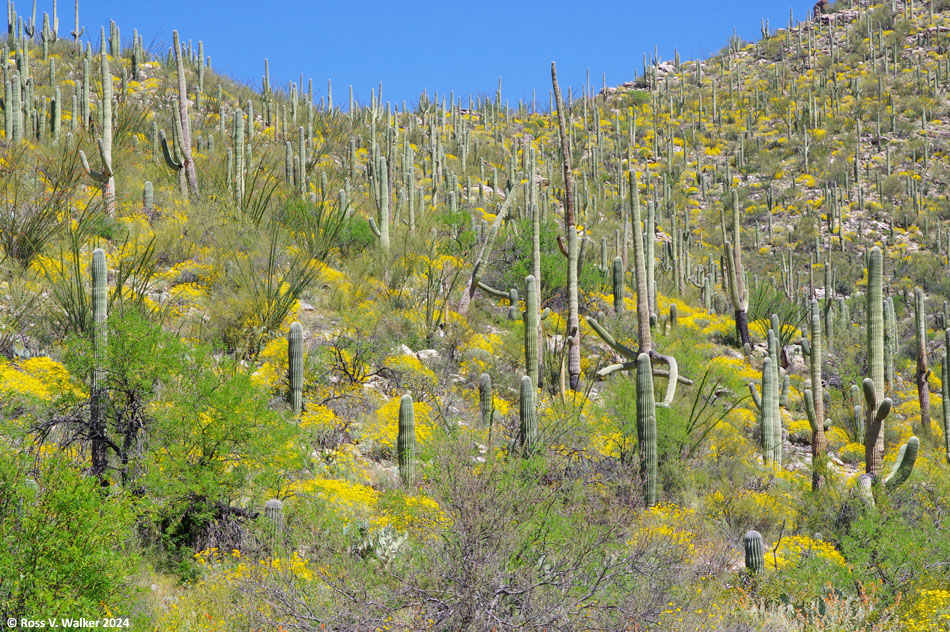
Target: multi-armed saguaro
[(181, 159), (104, 177), (876, 408)]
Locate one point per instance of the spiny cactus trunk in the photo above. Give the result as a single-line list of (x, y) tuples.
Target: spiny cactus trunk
[(295, 367), (767, 422), (486, 408), (640, 267), (527, 413), (274, 516), (618, 285), (97, 422), (646, 428), (923, 371), (819, 445), (188, 164), (945, 395), (735, 274), (874, 385), (573, 319), (406, 441), (536, 273), (530, 318), (754, 559)]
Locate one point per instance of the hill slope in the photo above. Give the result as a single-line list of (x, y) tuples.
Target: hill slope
[(178, 452)]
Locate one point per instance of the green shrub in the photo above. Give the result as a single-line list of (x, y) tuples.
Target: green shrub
[(64, 540)]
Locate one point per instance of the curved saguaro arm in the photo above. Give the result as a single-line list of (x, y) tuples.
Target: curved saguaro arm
[(631, 364), (104, 177), (904, 464)]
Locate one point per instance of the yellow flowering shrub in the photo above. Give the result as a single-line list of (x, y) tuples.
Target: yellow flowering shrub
[(799, 431), (41, 378), (273, 370), (852, 453), (414, 375), (382, 428), (792, 549), (929, 612)]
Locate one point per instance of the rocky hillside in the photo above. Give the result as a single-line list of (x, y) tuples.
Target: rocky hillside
[(666, 357)]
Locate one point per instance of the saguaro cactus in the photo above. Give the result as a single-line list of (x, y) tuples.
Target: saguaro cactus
[(97, 422), (104, 177), (618, 284), (570, 229), (382, 230), (814, 398), (530, 318), (945, 393), (274, 514), (239, 166), (148, 197), (406, 441), (646, 428), (485, 399), (904, 464), (187, 163), (295, 367), (877, 407), (770, 427), (754, 560), (528, 416), (735, 274), (174, 155), (923, 371)]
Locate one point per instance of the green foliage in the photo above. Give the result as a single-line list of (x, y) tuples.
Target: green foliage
[(65, 543), (188, 428)]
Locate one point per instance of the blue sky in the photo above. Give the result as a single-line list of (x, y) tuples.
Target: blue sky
[(439, 46)]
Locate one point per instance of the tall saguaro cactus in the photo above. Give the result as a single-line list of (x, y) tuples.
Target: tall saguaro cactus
[(877, 407), (646, 428), (187, 163), (735, 274), (382, 231), (814, 398), (485, 405), (530, 318), (104, 177), (945, 393), (570, 230), (406, 441), (174, 157), (528, 416), (295, 366), (618, 284), (97, 422), (923, 371), (770, 426)]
